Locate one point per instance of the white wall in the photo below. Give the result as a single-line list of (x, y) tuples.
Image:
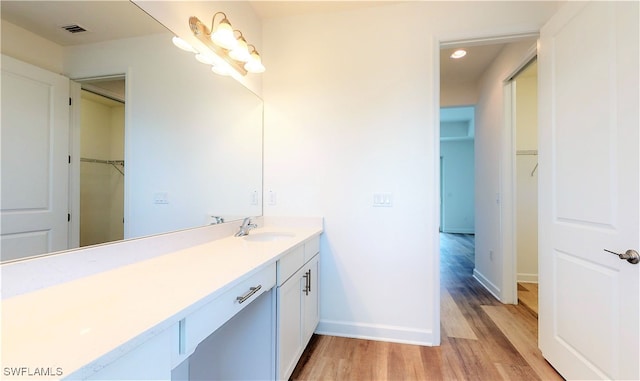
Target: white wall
[(457, 131), (351, 108), (458, 94), (458, 198), (490, 122), (21, 44), (527, 176)]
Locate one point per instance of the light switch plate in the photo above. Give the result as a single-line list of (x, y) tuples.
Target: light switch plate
[(254, 199), (161, 198), (272, 197)]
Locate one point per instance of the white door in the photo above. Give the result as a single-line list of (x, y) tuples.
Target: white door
[(35, 169), (290, 324), (589, 196)]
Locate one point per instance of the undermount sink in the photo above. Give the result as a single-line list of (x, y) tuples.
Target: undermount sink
[(268, 236)]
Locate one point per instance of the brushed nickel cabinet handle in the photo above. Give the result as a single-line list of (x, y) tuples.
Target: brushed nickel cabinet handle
[(306, 283), (252, 290)]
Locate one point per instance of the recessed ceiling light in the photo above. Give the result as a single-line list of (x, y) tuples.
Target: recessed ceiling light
[(459, 54)]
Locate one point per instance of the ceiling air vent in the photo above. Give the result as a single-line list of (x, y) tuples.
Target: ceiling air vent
[(74, 28)]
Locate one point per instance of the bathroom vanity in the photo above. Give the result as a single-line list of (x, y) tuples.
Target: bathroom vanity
[(230, 308)]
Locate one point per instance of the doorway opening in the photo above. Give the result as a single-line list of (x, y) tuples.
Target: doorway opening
[(524, 111), (101, 167), (489, 248), (457, 170)]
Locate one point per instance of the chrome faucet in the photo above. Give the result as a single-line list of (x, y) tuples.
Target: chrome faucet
[(245, 227)]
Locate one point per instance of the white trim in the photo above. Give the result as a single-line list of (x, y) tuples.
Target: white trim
[(531, 54), (128, 123), (486, 283), (377, 332), (74, 168), (508, 200), (436, 218), (489, 39), (74, 192), (527, 278), (455, 230), (457, 139), (508, 184)]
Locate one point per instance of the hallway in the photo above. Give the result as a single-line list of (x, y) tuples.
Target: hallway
[(482, 339)]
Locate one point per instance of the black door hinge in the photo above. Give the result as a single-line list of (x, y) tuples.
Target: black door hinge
[(68, 217), (69, 101), (69, 159)]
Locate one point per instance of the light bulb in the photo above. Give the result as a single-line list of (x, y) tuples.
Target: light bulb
[(204, 59), (255, 64), (182, 44), (223, 35), (459, 54), (241, 51), (221, 69)]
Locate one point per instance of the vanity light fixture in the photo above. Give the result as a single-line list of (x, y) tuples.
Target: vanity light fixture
[(222, 34), (182, 44), (241, 51), (228, 49), (459, 54), (254, 65)]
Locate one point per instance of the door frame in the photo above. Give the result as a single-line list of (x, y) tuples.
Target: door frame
[(512, 34), (508, 184), (440, 42), (75, 94)]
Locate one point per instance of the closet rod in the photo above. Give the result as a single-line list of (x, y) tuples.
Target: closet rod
[(89, 160), (527, 152), (114, 163)]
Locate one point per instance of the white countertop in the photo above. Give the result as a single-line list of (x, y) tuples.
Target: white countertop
[(74, 324)]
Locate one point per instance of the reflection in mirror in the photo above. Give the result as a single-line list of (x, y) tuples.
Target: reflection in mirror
[(192, 139), (102, 161)]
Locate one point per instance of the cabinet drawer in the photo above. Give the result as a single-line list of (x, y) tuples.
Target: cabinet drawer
[(290, 263), (311, 248), (200, 324)]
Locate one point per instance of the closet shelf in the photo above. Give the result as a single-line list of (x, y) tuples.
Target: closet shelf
[(114, 163)]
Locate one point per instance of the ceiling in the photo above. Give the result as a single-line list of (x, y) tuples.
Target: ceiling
[(104, 20), (108, 20), (276, 9), (469, 68)]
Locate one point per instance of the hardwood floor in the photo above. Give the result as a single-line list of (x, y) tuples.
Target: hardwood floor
[(482, 339), (528, 295)]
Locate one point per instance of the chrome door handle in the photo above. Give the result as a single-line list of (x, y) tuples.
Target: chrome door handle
[(631, 256)]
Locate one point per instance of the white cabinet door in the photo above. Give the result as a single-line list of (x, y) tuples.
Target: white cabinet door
[(35, 168), (311, 301), (589, 303), (290, 324)]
